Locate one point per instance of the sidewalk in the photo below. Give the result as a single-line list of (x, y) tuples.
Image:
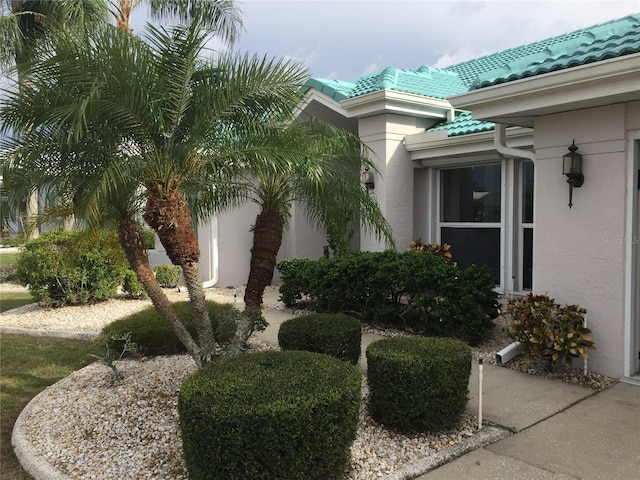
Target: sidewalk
[(561, 431)]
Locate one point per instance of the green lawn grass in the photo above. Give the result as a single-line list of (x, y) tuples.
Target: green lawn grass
[(14, 299), (29, 365), (8, 258)]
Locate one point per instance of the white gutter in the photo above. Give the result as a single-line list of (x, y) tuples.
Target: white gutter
[(499, 141), (213, 253)]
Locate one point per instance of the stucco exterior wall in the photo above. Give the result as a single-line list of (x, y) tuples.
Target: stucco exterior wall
[(234, 245), (301, 239), (384, 134), (235, 239), (579, 252)]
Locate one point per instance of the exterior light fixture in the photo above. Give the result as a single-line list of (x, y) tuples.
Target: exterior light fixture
[(572, 168), (366, 177)]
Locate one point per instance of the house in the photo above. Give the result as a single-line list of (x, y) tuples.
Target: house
[(472, 155)]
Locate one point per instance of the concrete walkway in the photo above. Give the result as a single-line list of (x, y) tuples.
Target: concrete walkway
[(561, 431)]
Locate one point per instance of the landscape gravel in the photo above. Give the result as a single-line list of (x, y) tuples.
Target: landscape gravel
[(89, 428)]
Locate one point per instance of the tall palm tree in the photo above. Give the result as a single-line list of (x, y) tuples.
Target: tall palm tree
[(324, 178), (222, 16), (24, 23), (123, 114)]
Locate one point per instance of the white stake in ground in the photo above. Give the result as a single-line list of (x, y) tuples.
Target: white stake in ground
[(585, 360), (480, 368)]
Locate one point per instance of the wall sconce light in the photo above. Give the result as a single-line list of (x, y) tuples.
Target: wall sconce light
[(366, 177), (572, 168)]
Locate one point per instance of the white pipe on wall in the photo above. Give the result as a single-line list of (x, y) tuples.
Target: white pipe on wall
[(500, 142), (213, 254)]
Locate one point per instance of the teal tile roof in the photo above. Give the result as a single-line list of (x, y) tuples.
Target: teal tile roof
[(603, 41), (463, 124), (611, 39), (426, 81)]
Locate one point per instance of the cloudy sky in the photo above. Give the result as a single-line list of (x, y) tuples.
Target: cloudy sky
[(348, 39)]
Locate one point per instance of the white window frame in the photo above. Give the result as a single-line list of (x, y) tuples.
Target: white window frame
[(440, 224), (511, 225)]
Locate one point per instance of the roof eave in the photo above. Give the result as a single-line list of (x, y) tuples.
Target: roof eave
[(518, 102), (323, 99), (391, 101), (431, 148)]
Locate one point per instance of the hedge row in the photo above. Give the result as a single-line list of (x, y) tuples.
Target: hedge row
[(420, 292)]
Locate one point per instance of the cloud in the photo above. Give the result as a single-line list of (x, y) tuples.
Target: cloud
[(371, 68), (348, 39)]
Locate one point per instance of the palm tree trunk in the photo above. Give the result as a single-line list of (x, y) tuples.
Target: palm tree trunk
[(267, 238), (133, 245), (170, 217)]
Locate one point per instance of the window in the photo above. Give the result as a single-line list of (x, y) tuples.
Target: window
[(485, 212), (526, 223), (471, 215)]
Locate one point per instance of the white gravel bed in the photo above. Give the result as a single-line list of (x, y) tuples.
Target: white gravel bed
[(88, 428)]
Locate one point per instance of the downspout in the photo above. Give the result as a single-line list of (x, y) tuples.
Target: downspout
[(213, 253), (500, 142)]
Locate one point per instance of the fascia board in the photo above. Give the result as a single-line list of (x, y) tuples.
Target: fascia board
[(315, 96), (585, 86), (423, 146), (390, 101)]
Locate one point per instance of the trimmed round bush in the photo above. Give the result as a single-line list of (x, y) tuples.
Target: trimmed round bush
[(153, 335), (337, 335), (418, 384), (272, 415)]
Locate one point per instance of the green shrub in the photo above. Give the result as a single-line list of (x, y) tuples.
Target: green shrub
[(149, 239), (153, 336), (423, 293), (269, 416), (167, 275), (131, 286), (549, 332), (13, 240), (337, 335), (418, 384), (7, 272), (418, 246), (72, 267)]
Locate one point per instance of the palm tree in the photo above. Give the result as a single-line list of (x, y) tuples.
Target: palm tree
[(221, 16), (324, 178), (24, 23), (123, 114)]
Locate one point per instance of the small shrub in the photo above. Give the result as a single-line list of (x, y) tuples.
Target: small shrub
[(153, 335), (13, 240), (167, 275), (269, 416), (131, 286), (337, 335), (72, 267), (549, 332), (111, 357), (149, 239), (418, 384), (442, 251), (7, 272)]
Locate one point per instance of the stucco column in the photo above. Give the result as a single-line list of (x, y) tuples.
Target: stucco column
[(384, 135)]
